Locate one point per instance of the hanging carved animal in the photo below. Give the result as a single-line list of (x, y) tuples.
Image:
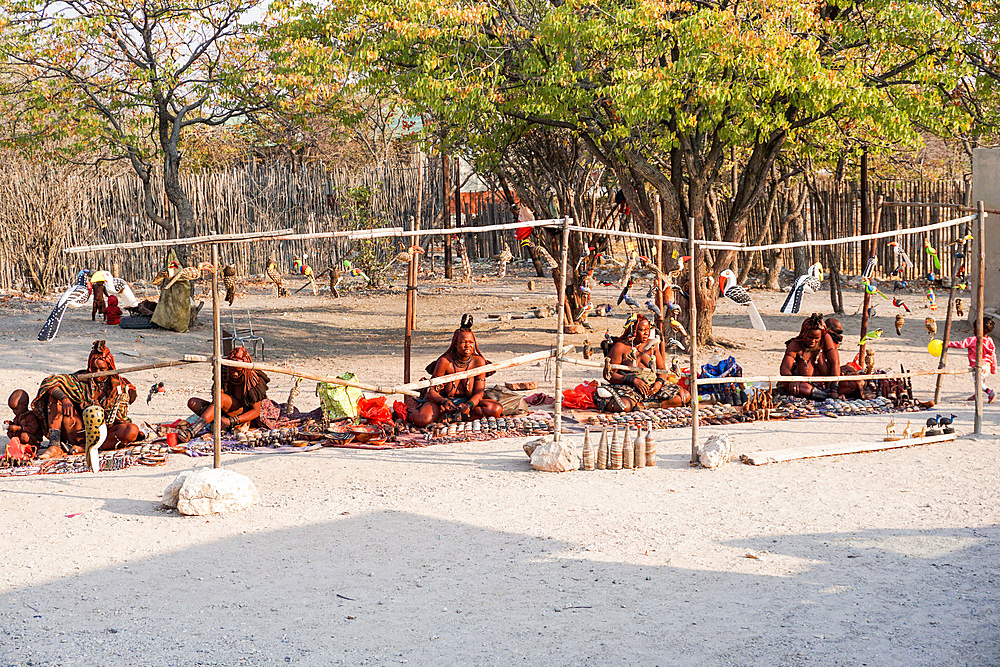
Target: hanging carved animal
[(464, 256), (505, 258), (189, 273), (899, 324), (229, 281), (930, 325)]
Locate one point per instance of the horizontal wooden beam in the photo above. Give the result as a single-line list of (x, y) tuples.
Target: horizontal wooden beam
[(815, 451), (189, 240)]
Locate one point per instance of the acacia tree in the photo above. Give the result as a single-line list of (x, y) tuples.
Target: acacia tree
[(659, 91), (125, 81)]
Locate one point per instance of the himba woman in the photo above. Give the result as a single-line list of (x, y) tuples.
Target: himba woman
[(62, 398), (244, 391), (631, 389), (460, 400), (808, 354)]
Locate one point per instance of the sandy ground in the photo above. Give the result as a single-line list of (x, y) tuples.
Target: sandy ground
[(462, 554)]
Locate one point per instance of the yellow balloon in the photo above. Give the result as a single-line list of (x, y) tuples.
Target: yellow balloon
[(935, 347)]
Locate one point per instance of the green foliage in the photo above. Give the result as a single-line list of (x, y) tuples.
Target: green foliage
[(648, 76)]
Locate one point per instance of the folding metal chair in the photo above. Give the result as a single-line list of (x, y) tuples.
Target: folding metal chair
[(241, 338)]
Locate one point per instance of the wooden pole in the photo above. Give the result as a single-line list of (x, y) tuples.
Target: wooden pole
[(693, 327), (445, 197), (458, 200), (660, 265), (488, 368), (189, 240), (411, 274), (133, 369), (321, 378), (561, 327), (948, 318), (980, 310), (865, 229), (216, 362)]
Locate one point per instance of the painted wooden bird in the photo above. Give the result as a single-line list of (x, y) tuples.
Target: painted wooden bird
[(624, 293), (899, 303), (731, 289), (505, 258), (160, 277), (870, 337), (899, 324), (903, 261), (869, 272), (229, 281), (933, 254), (335, 278), (300, 267), (76, 294), (189, 273), (931, 326), (275, 276), (959, 307), (869, 362), (930, 299), (809, 282), (588, 351), (351, 270)]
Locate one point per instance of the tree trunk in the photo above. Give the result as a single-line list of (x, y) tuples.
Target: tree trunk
[(183, 212), (777, 261)]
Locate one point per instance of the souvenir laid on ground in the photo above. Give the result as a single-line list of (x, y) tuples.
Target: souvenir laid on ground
[(491, 428), (147, 454), (670, 417), (524, 385)]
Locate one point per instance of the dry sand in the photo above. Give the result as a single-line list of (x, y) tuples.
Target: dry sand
[(462, 554)]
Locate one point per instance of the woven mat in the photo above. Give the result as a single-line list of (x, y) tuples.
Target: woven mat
[(110, 461)]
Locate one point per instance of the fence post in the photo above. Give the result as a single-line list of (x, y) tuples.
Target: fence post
[(560, 331), (980, 313)]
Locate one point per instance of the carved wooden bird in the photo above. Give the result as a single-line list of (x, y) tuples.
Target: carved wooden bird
[(190, 273), (869, 362), (959, 307), (899, 324), (229, 280), (299, 266), (160, 277), (930, 325), (275, 276), (335, 279)]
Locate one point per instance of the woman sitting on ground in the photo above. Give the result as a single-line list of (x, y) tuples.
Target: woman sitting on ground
[(244, 392), (633, 389), (62, 398), (812, 352), (459, 400)]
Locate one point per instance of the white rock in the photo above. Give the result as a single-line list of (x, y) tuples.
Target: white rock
[(170, 493), (529, 446), (214, 490), (555, 457), (715, 451)]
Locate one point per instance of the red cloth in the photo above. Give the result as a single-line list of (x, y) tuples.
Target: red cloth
[(374, 410), (580, 397), (113, 315), (399, 409)]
